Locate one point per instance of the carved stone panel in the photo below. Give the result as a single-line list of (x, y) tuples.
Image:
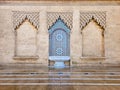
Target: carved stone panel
[(86, 17), (53, 16), (20, 16)]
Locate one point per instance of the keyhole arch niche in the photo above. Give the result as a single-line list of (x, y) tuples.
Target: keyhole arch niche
[(26, 39), (92, 40), (26, 26), (59, 39), (92, 31)]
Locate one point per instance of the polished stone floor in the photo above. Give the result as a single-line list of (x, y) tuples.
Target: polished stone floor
[(19, 77)]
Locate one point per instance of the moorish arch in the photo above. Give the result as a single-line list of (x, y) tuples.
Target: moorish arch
[(92, 40), (26, 39), (92, 26), (26, 26), (59, 27), (59, 39)]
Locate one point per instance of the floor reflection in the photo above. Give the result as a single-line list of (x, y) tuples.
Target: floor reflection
[(73, 78)]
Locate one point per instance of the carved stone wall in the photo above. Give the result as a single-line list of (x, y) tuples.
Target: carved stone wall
[(106, 17), (20, 16), (99, 17), (67, 17)]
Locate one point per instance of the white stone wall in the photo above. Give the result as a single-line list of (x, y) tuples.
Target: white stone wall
[(111, 34)]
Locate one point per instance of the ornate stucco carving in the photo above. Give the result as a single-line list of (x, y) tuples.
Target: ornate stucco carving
[(99, 17), (67, 17), (20, 16)]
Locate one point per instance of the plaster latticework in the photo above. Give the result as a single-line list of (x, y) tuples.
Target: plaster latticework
[(99, 17), (67, 17), (20, 16)]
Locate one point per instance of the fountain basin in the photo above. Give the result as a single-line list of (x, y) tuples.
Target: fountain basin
[(59, 60)]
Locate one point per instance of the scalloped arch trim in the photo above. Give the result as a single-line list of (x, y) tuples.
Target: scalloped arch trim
[(20, 16), (98, 17)]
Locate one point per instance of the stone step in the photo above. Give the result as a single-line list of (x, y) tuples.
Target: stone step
[(84, 72), (59, 80), (60, 77), (90, 77), (72, 70), (72, 76), (68, 79), (59, 74), (60, 84)]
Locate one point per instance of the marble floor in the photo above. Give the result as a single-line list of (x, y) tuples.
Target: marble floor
[(60, 88), (74, 78)]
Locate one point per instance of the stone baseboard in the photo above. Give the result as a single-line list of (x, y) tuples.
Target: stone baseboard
[(25, 57), (93, 58)]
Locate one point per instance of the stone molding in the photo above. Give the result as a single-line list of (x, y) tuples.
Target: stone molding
[(60, 2), (92, 58), (25, 57)]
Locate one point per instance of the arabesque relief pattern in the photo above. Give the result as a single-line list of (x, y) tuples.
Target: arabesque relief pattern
[(99, 17), (53, 16), (20, 16)]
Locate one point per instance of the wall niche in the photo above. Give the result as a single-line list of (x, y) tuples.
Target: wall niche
[(26, 28), (92, 26), (92, 40), (26, 40)]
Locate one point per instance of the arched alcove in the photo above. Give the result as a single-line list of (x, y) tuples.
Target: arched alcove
[(59, 39), (92, 40), (26, 39), (59, 43)]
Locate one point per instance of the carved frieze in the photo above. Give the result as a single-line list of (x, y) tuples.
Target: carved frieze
[(67, 17), (98, 17), (20, 16)]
